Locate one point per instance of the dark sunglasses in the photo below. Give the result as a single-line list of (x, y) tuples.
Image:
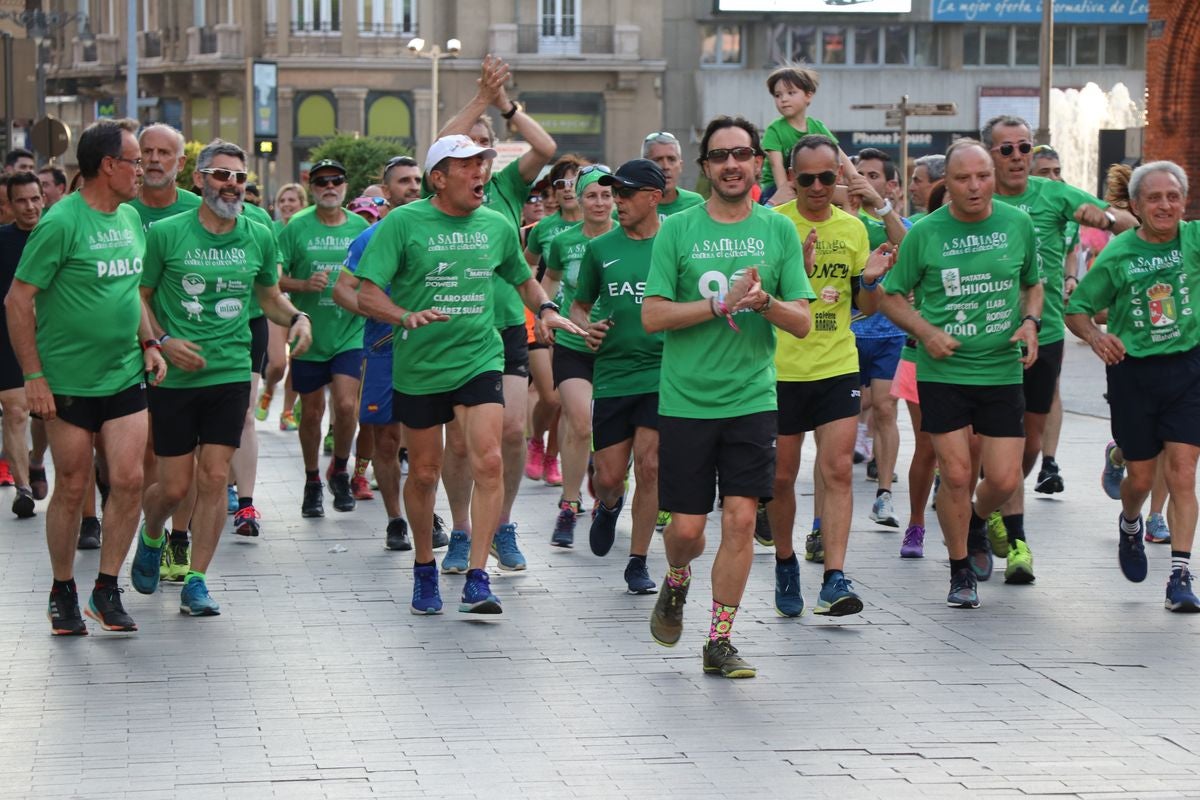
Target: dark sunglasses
[(627, 192), (328, 180), (1006, 149), (722, 154), (806, 179), (223, 175), (378, 201)]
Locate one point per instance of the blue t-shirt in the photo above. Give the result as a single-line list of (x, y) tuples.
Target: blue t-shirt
[(877, 326), (377, 336)]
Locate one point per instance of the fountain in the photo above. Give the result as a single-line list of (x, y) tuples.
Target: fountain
[(1076, 118)]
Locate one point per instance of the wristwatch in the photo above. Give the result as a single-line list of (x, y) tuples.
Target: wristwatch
[(512, 111), (1037, 321), (549, 304), (885, 209), (1112, 220)]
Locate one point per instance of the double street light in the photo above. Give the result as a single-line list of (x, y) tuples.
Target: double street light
[(435, 54)]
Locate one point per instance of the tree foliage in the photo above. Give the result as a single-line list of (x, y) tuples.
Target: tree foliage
[(363, 157), (184, 179)]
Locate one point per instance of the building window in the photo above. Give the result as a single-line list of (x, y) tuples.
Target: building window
[(316, 16), (1116, 46), (388, 115), (862, 45), (1028, 42), (387, 16), (1018, 45), (1087, 46), (315, 116), (833, 45), (721, 46)]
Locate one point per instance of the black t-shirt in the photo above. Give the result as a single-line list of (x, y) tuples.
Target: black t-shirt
[(12, 244)]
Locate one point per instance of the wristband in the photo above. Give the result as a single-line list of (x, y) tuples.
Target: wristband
[(166, 337), (512, 112), (1112, 220), (404, 317), (33, 376), (869, 285), (885, 209), (1071, 278), (149, 343)]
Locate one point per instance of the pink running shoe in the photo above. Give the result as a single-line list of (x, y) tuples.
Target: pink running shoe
[(553, 473), (535, 460)]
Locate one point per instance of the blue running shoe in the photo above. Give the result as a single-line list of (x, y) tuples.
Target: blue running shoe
[(981, 563), (458, 554), (195, 600), (232, 506), (1179, 593), (477, 597), (426, 597), (604, 527), (1131, 552), (1112, 475), (963, 591), (504, 548), (564, 526), (637, 577), (1157, 531), (146, 563), (837, 598), (789, 602)]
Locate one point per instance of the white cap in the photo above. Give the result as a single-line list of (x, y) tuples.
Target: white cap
[(456, 146)]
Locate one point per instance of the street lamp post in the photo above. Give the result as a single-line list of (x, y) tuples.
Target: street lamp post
[(435, 54)]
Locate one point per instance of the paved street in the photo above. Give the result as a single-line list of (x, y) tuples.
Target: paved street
[(316, 681)]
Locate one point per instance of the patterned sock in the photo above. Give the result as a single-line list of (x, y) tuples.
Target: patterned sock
[(1180, 559), (1131, 527), (1015, 525), (360, 467), (194, 576), (678, 577), (722, 621)]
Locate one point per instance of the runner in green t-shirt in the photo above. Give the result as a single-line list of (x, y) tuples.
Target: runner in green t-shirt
[(971, 261), (200, 271), (438, 258), (664, 149), (722, 277), (162, 158), (311, 250), (75, 320), (1152, 351), (608, 302)]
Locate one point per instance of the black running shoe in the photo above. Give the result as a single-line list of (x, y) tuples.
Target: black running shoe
[(64, 616), (313, 505), (89, 534), (23, 503), (440, 537), (1049, 481), (762, 527), (397, 535), (339, 487), (105, 607)]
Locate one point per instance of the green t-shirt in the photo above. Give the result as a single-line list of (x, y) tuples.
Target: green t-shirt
[(542, 233), (429, 259), (781, 137), (709, 370), (564, 257), (256, 214), (968, 276), (1144, 286), (202, 285), (1052, 206), (306, 246), (505, 193), (87, 265), (612, 276), (184, 201), (683, 201), (916, 216)]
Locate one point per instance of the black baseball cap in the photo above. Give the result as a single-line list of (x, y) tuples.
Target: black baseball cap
[(326, 163), (640, 173)]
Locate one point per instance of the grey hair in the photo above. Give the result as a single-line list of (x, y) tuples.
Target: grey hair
[(935, 166), (662, 137), (1169, 167), (1002, 121), (218, 147), (167, 129)]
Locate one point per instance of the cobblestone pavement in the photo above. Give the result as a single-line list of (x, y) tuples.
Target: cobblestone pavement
[(316, 681)]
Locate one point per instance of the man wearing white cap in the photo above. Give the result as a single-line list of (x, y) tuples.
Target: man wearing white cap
[(438, 257)]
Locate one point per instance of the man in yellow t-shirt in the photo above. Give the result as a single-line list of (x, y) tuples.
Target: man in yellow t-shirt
[(818, 382)]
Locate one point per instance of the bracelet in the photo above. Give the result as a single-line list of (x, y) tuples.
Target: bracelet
[(869, 285), (512, 112), (296, 317), (33, 376), (166, 337), (149, 343), (404, 317), (1071, 278), (765, 307)]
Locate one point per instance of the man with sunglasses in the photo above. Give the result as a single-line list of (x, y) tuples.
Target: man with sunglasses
[(1053, 205), (723, 276), (201, 270), (84, 370), (312, 249), (664, 149)]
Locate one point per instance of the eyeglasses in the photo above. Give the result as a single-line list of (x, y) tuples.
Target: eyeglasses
[(223, 175), (628, 192), (537, 198), (722, 154), (136, 162), (564, 183), (328, 180), (806, 179), (375, 201), (1006, 149), (602, 168), (660, 135)]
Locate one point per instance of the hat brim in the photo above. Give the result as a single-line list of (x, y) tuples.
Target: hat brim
[(467, 152), (616, 180)]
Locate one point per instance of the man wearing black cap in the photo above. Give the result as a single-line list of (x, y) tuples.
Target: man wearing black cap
[(311, 249), (608, 303)]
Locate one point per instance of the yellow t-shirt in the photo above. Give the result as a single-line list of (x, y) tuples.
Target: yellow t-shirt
[(828, 350)]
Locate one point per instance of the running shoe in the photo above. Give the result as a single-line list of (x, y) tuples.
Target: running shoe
[(762, 527), (997, 535), (262, 407), (327, 444), (1131, 551), (1179, 593), (23, 503), (837, 598), (403, 461), (862, 445), (339, 487), (105, 607), (963, 590), (913, 545), (1157, 531), (882, 511), (535, 460), (231, 505), (176, 561), (872, 471), (146, 562), (38, 483), (564, 526), (440, 537), (458, 554), (477, 597), (721, 657), (313, 504), (89, 534), (397, 535), (789, 602), (1049, 480), (663, 520), (552, 475), (1020, 563), (195, 600), (287, 422), (814, 547), (637, 577), (245, 522), (666, 621), (426, 599), (64, 616), (981, 563), (361, 488), (504, 548), (1112, 475), (604, 527), (6, 476), (937, 484)]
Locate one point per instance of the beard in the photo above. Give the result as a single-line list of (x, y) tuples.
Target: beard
[(225, 209)]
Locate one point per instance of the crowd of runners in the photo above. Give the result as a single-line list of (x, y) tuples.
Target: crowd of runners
[(594, 328)]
